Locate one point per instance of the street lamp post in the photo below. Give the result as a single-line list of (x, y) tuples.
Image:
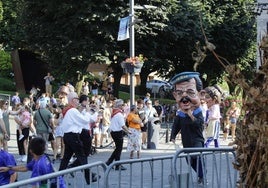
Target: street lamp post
[(132, 49), (132, 43)]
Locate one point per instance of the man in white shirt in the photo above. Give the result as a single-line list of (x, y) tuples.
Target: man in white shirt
[(73, 123), (117, 127)]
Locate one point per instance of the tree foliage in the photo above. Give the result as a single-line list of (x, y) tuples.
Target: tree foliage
[(11, 31), (69, 35)]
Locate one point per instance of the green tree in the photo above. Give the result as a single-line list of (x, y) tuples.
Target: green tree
[(5, 64), (11, 31), (227, 24), (70, 35), (232, 30)]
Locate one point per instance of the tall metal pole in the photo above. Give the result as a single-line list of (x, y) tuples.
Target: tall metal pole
[(132, 50)]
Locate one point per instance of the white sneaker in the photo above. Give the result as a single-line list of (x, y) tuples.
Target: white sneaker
[(72, 160), (144, 146), (21, 137), (24, 158)]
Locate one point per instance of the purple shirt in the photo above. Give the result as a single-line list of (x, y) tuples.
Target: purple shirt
[(6, 160), (40, 167), (15, 99)]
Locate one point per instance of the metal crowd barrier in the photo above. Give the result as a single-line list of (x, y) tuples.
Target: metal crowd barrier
[(73, 177), (145, 172), (171, 171), (217, 168)]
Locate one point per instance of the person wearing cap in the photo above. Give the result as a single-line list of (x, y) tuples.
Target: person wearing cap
[(117, 129), (73, 123), (135, 124), (189, 119), (213, 99)]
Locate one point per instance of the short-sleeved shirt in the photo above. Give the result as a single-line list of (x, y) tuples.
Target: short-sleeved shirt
[(41, 127), (6, 160), (40, 167), (15, 100), (131, 124), (117, 122)]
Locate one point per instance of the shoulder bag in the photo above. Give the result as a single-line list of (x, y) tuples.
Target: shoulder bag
[(51, 135)]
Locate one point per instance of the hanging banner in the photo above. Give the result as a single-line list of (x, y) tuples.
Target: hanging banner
[(123, 32)]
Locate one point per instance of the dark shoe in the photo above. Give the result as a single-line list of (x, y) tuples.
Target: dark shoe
[(201, 181), (58, 155), (72, 174), (120, 168), (94, 177), (70, 165)]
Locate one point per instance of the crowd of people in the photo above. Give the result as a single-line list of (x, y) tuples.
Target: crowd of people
[(73, 123)]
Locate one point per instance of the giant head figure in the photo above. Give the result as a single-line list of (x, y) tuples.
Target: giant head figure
[(186, 89)]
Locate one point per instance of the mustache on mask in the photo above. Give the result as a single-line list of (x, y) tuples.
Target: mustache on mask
[(185, 99)]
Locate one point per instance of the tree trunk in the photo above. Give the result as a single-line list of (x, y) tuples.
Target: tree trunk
[(15, 60), (117, 74)]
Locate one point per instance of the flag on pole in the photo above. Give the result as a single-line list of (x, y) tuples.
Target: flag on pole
[(123, 32)]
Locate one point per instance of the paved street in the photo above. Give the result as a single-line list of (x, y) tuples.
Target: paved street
[(102, 154)]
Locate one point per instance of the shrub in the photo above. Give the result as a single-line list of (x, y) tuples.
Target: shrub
[(7, 85)]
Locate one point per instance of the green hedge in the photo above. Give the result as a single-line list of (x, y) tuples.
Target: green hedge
[(7, 85)]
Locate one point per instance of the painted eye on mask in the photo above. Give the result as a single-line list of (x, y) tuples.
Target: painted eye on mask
[(189, 92)]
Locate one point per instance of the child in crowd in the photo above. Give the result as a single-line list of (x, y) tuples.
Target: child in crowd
[(40, 164), (25, 119), (213, 99), (6, 160)]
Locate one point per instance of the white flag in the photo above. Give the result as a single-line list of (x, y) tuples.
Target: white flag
[(123, 32)]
